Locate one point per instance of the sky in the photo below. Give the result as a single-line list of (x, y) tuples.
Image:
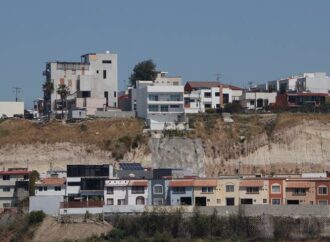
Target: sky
[(243, 40)]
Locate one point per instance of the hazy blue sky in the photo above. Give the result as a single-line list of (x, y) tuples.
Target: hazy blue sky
[(246, 40)]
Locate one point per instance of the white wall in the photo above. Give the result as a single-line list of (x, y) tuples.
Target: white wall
[(11, 108), (50, 191)]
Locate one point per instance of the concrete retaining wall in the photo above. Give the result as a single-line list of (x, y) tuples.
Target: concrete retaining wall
[(49, 204), (114, 114)]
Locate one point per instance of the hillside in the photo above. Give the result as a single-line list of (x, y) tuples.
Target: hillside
[(256, 143)]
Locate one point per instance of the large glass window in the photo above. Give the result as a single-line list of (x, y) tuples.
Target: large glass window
[(153, 108), (109, 190), (179, 190), (137, 190), (175, 97), (153, 97), (276, 201), (252, 190), (164, 108)]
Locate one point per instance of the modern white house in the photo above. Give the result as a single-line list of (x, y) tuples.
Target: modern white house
[(254, 100), (51, 186), (160, 103), (126, 192), (200, 96), (315, 82), (93, 83)]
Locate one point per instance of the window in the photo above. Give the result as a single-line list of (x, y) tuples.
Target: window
[(322, 190), (252, 190), (225, 98), (323, 202), (207, 189), (276, 188), (207, 94), (114, 94), (207, 106), (121, 201), (6, 205), (264, 200), (276, 201), (97, 71), (106, 61), (164, 108), (45, 188), (179, 190), (158, 201), (158, 189), (110, 201), (6, 189), (137, 190), (174, 106), (217, 94), (299, 191), (26, 177), (109, 190), (230, 188), (153, 97), (153, 108), (252, 102), (58, 188), (5, 177), (40, 189), (104, 74), (175, 97)]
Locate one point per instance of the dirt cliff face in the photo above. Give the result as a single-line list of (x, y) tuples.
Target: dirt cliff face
[(285, 143)]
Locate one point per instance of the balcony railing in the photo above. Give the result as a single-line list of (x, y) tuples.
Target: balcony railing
[(81, 204)]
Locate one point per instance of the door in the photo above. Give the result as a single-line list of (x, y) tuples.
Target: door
[(230, 201), (200, 201)]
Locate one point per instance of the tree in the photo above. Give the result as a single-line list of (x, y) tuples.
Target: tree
[(144, 70), (48, 88), (63, 91), (34, 176)]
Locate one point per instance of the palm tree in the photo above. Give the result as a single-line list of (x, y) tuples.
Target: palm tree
[(48, 88), (63, 91)]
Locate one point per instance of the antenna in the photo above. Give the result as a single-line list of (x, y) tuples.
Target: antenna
[(17, 90), (219, 76)]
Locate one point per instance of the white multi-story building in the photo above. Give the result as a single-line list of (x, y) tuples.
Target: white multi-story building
[(160, 102), (200, 96), (93, 82), (14, 187), (317, 82), (51, 186), (254, 100), (9, 109), (126, 192)]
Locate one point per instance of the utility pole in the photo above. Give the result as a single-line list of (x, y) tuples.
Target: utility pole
[(17, 90)]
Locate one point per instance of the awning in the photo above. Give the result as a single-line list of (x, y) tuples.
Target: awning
[(252, 183), (181, 183), (205, 183), (297, 184)]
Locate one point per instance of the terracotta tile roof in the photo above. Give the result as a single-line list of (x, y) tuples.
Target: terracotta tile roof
[(52, 181), (205, 183), (298, 184), (18, 172), (251, 183), (138, 183), (182, 183)]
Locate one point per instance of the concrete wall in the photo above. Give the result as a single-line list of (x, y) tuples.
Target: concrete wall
[(49, 204), (50, 190), (11, 108)]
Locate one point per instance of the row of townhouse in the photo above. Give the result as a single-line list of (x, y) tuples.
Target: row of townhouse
[(134, 185)]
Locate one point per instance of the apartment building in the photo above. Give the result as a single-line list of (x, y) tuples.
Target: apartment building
[(14, 187), (160, 103), (93, 83), (300, 191), (200, 96), (322, 195), (276, 191)]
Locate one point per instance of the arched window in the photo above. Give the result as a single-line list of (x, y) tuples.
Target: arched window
[(322, 190), (158, 189), (140, 200), (276, 188)]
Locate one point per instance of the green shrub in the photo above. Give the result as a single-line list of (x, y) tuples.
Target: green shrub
[(36, 217), (162, 237)]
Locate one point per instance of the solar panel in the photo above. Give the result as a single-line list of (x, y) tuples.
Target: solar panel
[(130, 166)]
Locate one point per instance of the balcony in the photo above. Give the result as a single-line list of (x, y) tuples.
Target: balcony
[(81, 204)]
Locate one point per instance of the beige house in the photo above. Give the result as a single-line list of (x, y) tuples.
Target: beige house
[(228, 192), (300, 192), (205, 192), (254, 191)]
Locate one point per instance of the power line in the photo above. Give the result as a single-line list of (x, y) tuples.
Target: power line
[(17, 90)]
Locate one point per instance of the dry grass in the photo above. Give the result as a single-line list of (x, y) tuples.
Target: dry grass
[(102, 133)]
